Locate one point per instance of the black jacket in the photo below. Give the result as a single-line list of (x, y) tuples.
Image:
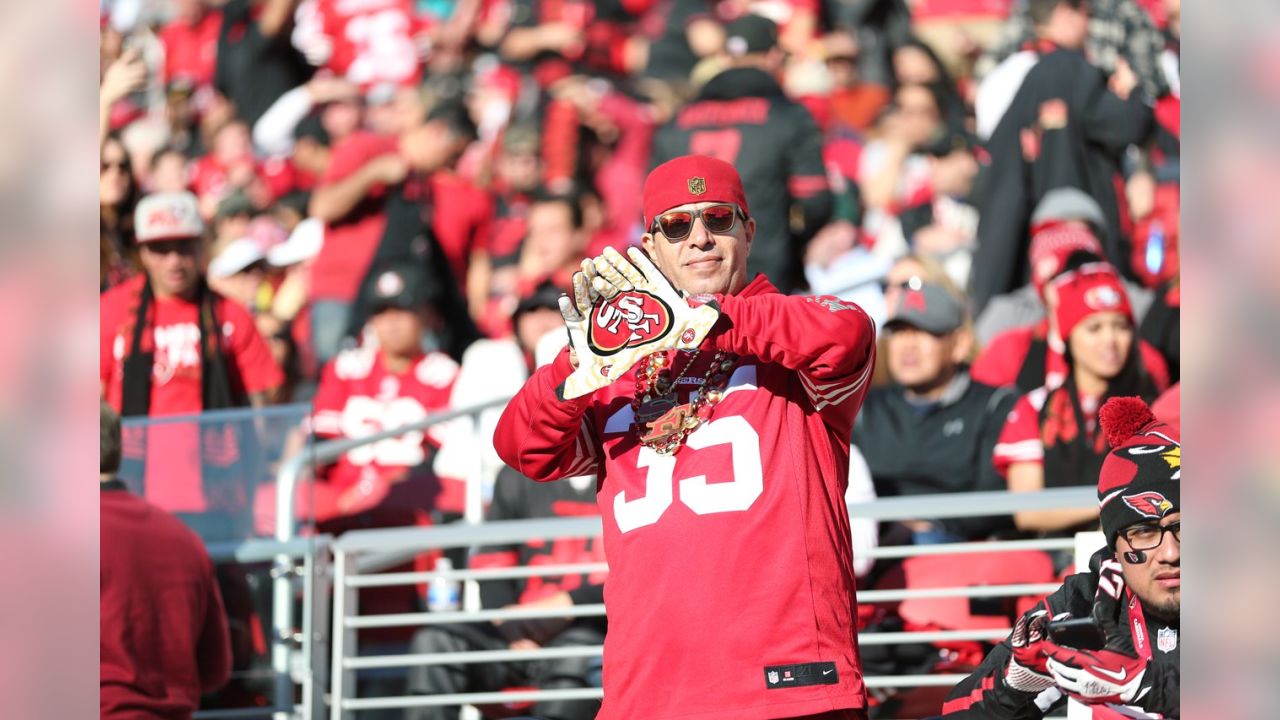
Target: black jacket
[(1064, 128), (992, 699), (516, 497), (947, 448), (743, 118)]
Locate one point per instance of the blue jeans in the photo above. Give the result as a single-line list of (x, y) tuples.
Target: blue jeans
[(329, 320)]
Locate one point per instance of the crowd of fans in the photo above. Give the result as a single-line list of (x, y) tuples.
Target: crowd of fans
[(373, 205)]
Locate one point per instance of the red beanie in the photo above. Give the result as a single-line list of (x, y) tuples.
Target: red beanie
[(691, 179), (1092, 290), (1141, 476), (1052, 245)]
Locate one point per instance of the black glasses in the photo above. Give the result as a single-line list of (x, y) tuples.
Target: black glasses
[(121, 165), (1149, 537), (677, 224)]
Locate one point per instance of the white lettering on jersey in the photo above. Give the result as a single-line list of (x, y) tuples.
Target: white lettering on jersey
[(702, 497), (176, 346), (363, 416)]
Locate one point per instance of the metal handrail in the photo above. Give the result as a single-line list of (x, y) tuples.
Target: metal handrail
[(876, 553), (361, 551), (943, 505), (288, 476)]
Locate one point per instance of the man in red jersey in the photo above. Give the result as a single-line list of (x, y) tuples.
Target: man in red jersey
[(370, 389), (717, 423), (168, 345)]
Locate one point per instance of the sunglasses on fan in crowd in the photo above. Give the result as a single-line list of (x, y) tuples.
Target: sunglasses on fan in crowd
[(677, 224)]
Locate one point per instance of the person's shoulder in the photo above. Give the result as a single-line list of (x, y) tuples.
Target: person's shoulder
[(352, 364), (158, 528), (116, 297), (233, 312), (436, 370)]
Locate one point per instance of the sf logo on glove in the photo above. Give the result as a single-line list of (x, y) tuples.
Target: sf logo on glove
[(628, 320)]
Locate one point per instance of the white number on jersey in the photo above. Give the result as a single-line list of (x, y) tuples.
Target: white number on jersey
[(696, 493), (364, 416)]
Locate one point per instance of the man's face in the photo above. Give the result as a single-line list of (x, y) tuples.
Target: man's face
[(703, 262), (1073, 24), (918, 360), (1158, 581), (172, 265), (399, 330), (552, 241), (533, 324)]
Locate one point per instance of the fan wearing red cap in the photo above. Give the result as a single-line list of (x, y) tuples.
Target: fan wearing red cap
[(716, 413), (1052, 437), (1130, 595)]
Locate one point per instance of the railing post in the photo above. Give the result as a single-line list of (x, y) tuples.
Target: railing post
[(345, 605), (315, 631), (282, 584)]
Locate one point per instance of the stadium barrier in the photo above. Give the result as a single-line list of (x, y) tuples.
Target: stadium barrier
[(316, 565), (359, 556)]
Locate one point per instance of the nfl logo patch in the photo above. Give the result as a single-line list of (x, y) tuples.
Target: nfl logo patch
[(773, 677), (1167, 639), (697, 185)]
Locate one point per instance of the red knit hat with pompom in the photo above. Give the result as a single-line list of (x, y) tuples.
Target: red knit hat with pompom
[(1140, 478)]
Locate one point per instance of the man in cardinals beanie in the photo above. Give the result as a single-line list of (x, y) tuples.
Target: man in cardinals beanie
[(716, 413), (1131, 595)]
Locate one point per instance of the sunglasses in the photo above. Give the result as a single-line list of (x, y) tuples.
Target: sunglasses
[(677, 224)]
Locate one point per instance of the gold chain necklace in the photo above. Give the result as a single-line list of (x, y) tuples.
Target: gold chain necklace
[(662, 421)]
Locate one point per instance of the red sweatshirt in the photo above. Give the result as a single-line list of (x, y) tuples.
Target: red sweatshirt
[(164, 635), (731, 586)]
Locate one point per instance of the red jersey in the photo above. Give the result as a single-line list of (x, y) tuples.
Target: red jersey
[(1021, 439), (175, 382), (358, 397), (191, 51), (731, 585), (368, 42), (350, 242)]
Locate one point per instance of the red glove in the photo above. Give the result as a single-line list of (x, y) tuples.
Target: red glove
[(1026, 671), (1098, 676)]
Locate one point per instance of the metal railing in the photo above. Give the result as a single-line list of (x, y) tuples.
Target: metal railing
[(360, 554)]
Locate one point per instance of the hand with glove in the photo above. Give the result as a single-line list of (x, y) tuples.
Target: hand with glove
[(1026, 670), (1098, 676), (622, 311), (1115, 674)]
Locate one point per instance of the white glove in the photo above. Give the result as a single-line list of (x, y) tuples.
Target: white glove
[(621, 312)]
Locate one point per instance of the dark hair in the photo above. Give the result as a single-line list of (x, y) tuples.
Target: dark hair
[(572, 201), (457, 118), (312, 128), (108, 440), (1041, 10)]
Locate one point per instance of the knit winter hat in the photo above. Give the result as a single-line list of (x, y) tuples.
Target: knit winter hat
[(1091, 289), (1140, 478)]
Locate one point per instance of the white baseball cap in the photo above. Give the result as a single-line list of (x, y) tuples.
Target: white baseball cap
[(167, 216), (234, 258), (303, 244)]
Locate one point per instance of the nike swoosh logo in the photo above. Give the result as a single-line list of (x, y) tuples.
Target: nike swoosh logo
[(1117, 676), (828, 672)]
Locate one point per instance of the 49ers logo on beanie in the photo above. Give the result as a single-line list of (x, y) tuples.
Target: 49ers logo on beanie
[(629, 319), (1140, 478)]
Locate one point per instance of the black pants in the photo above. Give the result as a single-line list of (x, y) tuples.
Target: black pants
[(559, 674)]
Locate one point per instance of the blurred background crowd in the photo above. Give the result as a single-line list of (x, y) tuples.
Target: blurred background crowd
[(379, 201)]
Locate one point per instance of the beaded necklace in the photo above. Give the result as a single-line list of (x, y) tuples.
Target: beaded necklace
[(664, 422)]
